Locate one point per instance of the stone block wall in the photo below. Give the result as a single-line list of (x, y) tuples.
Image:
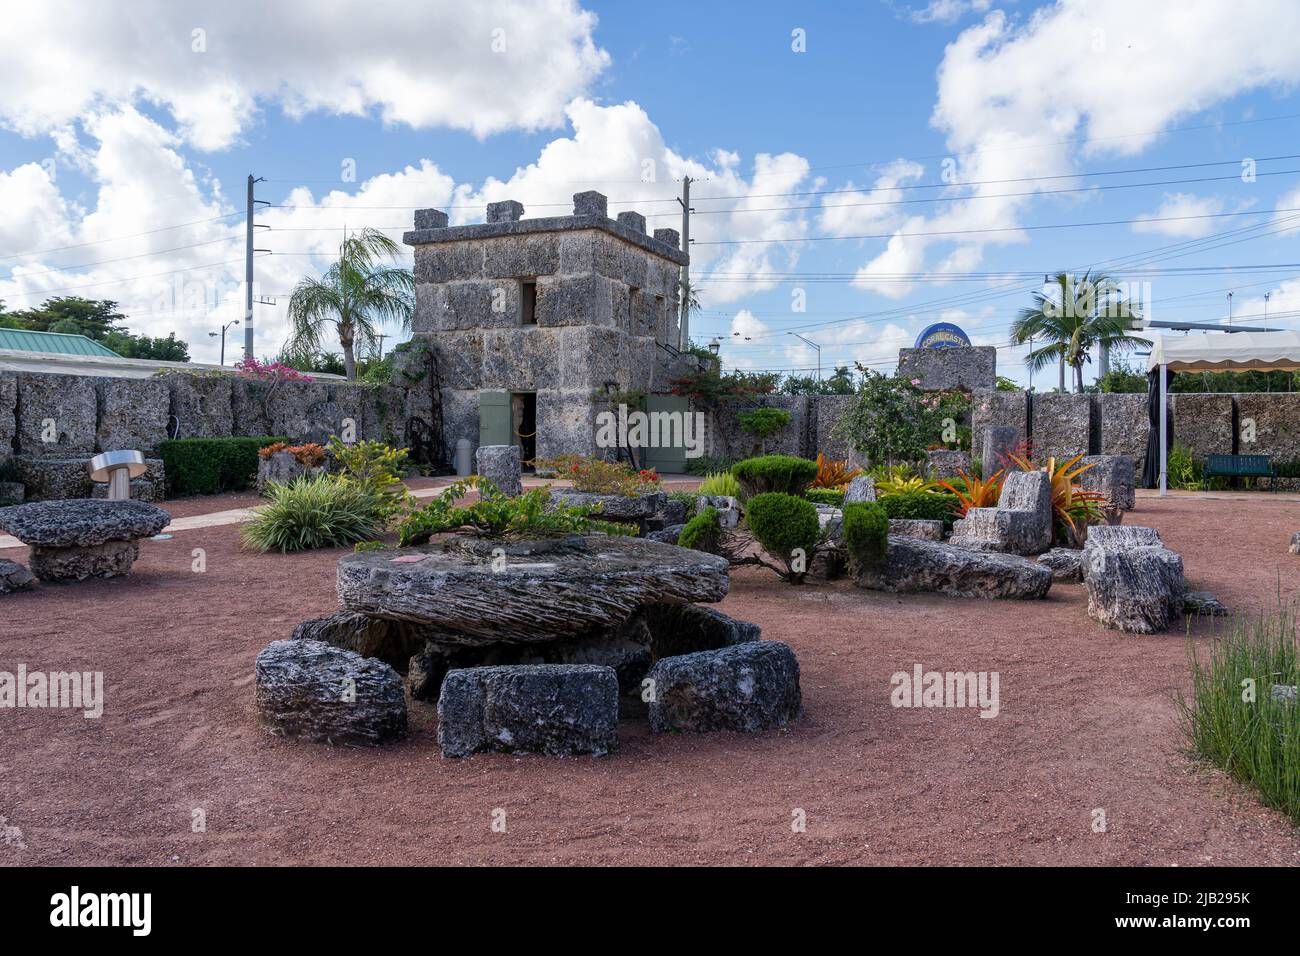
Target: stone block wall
[(1274, 419), (1202, 422), (993, 407), (1121, 423), (966, 368), (1061, 427), (728, 439)]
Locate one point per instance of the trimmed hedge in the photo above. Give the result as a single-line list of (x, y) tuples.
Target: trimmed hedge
[(826, 496), (703, 532), (209, 466), (779, 474), (924, 505), (783, 523), (865, 532)]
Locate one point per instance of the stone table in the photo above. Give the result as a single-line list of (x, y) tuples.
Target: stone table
[(479, 591), (82, 537)]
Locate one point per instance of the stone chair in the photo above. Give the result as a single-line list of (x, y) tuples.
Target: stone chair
[(1020, 524)]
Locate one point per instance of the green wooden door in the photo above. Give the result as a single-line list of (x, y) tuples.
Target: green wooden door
[(669, 459), (494, 425)]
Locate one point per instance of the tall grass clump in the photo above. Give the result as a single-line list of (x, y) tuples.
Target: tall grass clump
[(1234, 721), (322, 511)]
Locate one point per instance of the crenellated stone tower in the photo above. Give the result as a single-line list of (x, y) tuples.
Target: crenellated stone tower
[(535, 322)]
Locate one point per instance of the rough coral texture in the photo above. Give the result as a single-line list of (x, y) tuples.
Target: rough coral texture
[(319, 692), (527, 591), (749, 687), (81, 522), (552, 709), (1138, 590), (111, 559), (911, 564)]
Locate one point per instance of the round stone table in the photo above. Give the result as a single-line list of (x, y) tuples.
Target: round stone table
[(82, 537), (479, 591)]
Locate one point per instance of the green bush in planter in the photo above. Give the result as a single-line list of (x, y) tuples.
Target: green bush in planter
[(703, 532), (763, 423), (209, 466), (780, 474), (865, 532), (784, 526), (922, 505)]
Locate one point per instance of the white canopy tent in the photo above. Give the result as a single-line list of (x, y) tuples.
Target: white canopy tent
[(1216, 352)]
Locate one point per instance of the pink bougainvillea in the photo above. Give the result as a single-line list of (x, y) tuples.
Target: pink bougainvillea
[(269, 371)]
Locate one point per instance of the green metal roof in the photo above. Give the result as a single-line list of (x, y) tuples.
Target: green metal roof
[(28, 341)]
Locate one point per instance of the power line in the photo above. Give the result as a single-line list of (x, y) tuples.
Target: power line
[(134, 235)]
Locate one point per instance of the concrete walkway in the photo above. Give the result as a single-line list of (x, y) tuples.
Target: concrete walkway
[(215, 519)]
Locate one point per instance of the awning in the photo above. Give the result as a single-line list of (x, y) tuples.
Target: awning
[(1226, 352)]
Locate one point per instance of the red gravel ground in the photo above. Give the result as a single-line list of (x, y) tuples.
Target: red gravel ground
[(1087, 722)]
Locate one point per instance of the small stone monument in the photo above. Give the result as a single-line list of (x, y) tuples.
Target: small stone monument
[(501, 465)]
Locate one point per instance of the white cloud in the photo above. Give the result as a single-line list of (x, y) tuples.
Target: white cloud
[(850, 210), (947, 11), (485, 67), (1178, 209), (1013, 106)]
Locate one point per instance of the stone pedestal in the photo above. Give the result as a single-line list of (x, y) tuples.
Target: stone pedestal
[(82, 537), (500, 464)]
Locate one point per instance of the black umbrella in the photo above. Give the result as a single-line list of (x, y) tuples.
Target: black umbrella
[(1151, 465)]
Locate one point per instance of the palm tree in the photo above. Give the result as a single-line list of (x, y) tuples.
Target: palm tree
[(841, 383), (1081, 313), (354, 297)]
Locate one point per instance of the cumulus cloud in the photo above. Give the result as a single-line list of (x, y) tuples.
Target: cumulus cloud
[(1013, 107), (1179, 211), (484, 67), (946, 11)]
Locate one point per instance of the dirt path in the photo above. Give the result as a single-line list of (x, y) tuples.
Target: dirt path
[(1087, 722)]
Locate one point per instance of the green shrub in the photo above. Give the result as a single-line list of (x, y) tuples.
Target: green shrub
[(708, 464), (209, 466), (318, 511), (763, 423), (703, 532), (722, 484), (1253, 737), (787, 529), (378, 468), (781, 474), (865, 532), (825, 496), (688, 499), (922, 505), (494, 515)]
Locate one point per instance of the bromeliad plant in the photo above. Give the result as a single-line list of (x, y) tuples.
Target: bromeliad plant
[(833, 473), (974, 492), (494, 515), (1074, 507)]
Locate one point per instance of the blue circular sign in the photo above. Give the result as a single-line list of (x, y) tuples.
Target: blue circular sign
[(942, 335)]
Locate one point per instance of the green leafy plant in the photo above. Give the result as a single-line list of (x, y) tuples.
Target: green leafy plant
[(708, 464), (719, 485), (904, 485), (893, 421), (763, 423), (825, 496), (784, 474), (688, 499), (921, 505), (974, 492), (316, 511), (494, 515), (377, 467), (1182, 469), (210, 466), (786, 527), (703, 532), (1233, 720), (710, 386), (865, 533), (601, 477)]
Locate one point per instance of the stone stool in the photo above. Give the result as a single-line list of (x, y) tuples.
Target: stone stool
[(82, 537)]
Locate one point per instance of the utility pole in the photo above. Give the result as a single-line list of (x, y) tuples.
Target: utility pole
[(248, 267), (815, 346), (684, 337), (1267, 295), (1229, 308)]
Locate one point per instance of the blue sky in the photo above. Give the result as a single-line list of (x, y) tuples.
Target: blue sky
[(122, 173)]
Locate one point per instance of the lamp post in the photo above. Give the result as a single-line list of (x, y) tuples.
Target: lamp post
[(814, 345), (222, 333)]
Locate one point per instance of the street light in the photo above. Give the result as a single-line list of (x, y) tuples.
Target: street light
[(715, 345), (222, 333), (814, 345)]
